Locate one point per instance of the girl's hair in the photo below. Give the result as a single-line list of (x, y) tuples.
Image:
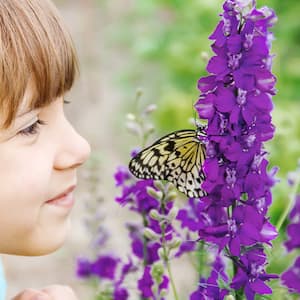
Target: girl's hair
[(35, 47)]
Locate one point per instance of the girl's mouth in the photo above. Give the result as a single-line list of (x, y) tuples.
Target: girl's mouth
[(64, 199)]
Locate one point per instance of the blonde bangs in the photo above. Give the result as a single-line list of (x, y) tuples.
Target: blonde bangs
[(34, 45)]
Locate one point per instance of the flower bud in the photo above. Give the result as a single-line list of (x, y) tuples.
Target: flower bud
[(130, 117), (159, 185), (154, 289), (204, 56), (229, 297), (154, 214), (172, 214), (154, 193), (171, 196), (161, 254), (150, 108), (174, 243), (139, 92), (133, 128), (149, 129), (163, 293), (157, 271), (151, 235)]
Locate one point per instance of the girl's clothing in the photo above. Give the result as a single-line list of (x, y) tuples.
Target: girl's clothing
[(2, 283)]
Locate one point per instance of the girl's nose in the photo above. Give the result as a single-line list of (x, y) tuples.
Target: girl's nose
[(73, 150)]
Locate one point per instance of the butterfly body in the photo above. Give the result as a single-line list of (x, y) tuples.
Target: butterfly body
[(177, 157)]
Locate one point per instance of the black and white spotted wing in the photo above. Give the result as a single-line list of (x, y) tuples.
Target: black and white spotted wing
[(178, 158)]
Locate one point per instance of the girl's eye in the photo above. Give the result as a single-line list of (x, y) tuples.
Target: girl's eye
[(32, 129), (67, 101)]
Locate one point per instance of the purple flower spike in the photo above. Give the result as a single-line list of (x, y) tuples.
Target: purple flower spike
[(236, 101)]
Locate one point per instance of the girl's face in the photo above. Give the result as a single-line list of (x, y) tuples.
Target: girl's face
[(39, 157)]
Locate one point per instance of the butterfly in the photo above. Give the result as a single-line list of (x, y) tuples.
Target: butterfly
[(176, 157)]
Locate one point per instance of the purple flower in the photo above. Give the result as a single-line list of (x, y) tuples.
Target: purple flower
[(186, 246), (294, 236), (84, 268), (120, 294), (209, 288), (251, 275), (134, 194), (293, 228), (291, 277), (146, 283), (151, 254), (125, 270), (244, 232), (139, 245), (122, 175), (191, 215), (105, 267)]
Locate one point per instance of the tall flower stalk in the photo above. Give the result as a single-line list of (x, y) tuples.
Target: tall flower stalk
[(236, 100)]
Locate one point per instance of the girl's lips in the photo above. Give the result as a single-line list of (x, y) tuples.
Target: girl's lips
[(64, 199)]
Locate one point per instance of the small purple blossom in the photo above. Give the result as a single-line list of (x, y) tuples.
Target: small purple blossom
[(84, 268), (105, 267), (293, 228), (251, 275), (291, 277), (134, 193), (120, 294), (121, 175), (146, 283), (209, 288)]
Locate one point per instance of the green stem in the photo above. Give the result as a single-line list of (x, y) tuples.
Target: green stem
[(145, 249), (230, 211), (201, 259), (172, 280), (145, 242), (166, 254), (290, 204), (167, 263)]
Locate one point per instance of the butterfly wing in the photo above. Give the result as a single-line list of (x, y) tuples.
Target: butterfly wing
[(177, 157)]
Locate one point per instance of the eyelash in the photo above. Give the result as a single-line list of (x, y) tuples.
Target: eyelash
[(35, 127), (32, 129)]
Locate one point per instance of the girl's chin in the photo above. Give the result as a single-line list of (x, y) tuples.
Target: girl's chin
[(43, 242)]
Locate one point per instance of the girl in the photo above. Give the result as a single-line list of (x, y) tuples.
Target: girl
[(39, 149)]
